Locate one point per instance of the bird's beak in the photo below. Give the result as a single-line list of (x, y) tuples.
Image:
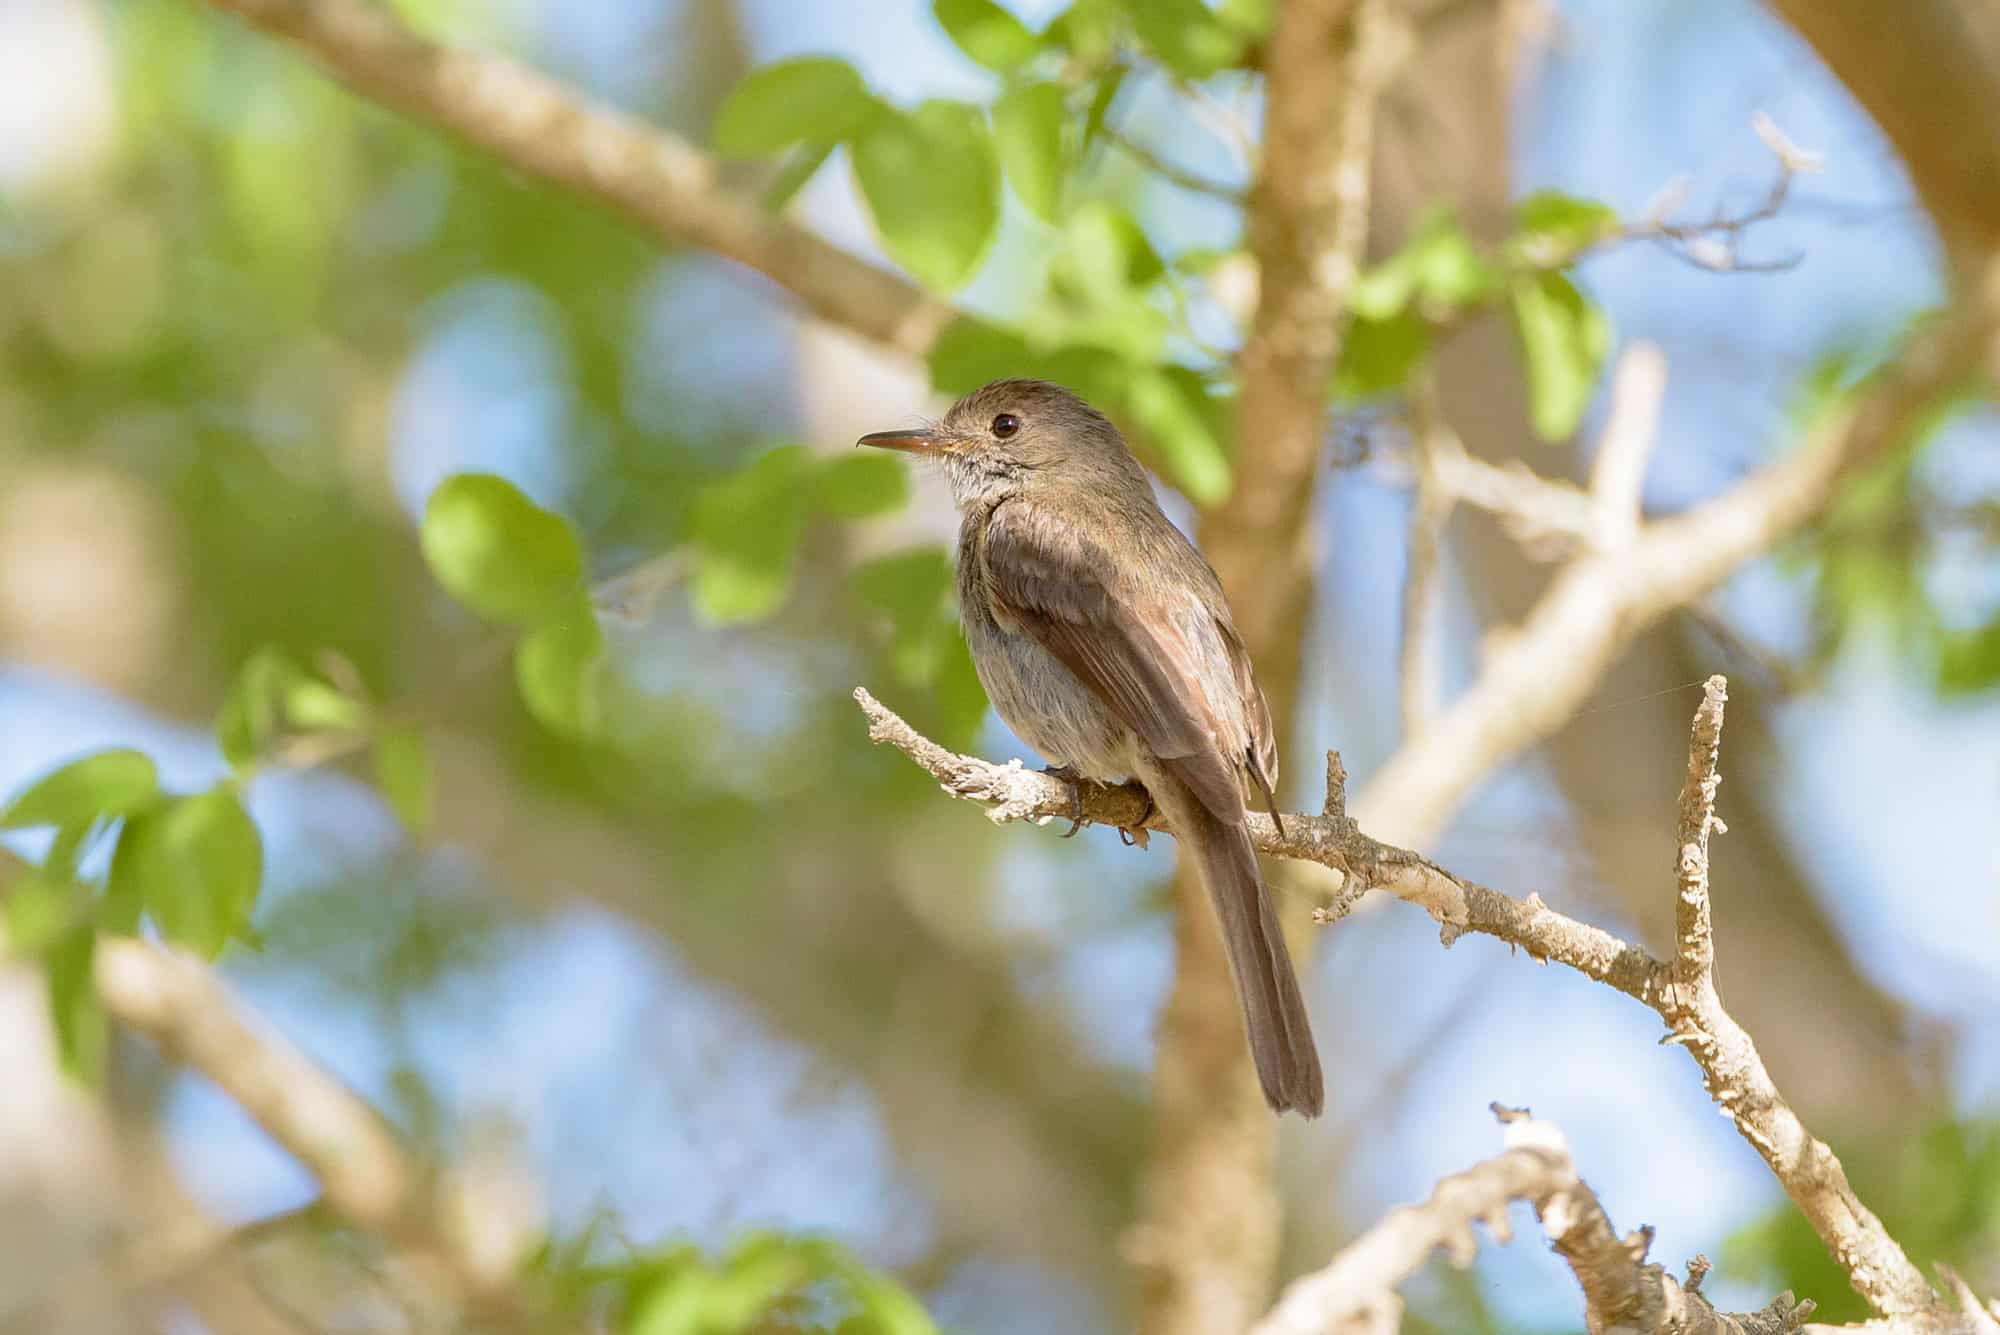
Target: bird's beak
[(917, 440)]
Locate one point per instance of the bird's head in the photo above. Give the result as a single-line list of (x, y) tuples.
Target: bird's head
[(1012, 433)]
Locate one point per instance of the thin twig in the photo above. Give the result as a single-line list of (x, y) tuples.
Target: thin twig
[(1183, 177), (1430, 511), (1715, 243), (1734, 1073)]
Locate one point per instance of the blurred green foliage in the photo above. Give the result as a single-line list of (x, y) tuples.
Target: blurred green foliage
[(765, 1282), (1937, 1191), (226, 315)]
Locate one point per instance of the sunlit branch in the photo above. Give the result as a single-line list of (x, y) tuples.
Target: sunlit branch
[(1621, 1289), (537, 126)]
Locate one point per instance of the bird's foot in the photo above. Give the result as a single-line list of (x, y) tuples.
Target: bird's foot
[(1075, 782), (1135, 835)]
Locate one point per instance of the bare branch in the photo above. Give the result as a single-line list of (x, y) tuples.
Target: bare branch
[(1715, 243), (1547, 517), (1622, 1290), (1012, 792), (1533, 681), (78, 1292), (1206, 1240), (1430, 511), (538, 126), (1682, 992), (1186, 179), (366, 1177), (1734, 1073), (1631, 431)]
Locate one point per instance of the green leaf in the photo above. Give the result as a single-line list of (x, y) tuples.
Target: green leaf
[(970, 352), (932, 183), (914, 588), (498, 552), (271, 695), (1377, 356), (1552, 228), (66, 849), (311, 705), (861, 484), (1101, 101), (1106, 259), (746, 532), (1564, 339), (1969, 660), (82, 1034), (403, 771), (1253, 18), (1383, 291), (1189, 38), (251, 717), (760, 1273), (106, 784), (890, 1306), (816, 99), (195, 864), (1439, 267), (1090, 30), (987, 33), (1096, 374), (1168, 407), (1451, 273), (1028, 127), (40, 911), (675, 1306), (908, 585), (799, 168), (558, 670)]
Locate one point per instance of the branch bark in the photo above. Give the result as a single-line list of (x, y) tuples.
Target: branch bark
[(366, 1177), (1929, 73), (1531, 684), (1623, 1292), (1205, 1243), (1735, 1075), (1682, 991), (537, 126)]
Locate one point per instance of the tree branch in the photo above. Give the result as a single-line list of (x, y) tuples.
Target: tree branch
[(1734, 1073), (537, 126), (1430, 512), (1542, 669), (1681, 992), (1622, 1290), (1206, 1239), (366, 1177)]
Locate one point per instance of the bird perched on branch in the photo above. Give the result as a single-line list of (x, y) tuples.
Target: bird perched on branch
[(1104, 641)]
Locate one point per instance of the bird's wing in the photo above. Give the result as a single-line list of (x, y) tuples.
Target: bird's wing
[(1263, 751), (1055, 584)]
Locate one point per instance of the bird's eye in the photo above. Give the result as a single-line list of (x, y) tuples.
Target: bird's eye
[(1005, 425)]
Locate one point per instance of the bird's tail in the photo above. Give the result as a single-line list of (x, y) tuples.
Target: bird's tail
[(1267, 989)]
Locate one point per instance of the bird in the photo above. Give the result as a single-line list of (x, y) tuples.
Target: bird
[(1104, 640)]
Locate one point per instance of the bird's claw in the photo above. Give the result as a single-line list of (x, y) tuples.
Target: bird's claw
[(1134, 835), (1069, 776)]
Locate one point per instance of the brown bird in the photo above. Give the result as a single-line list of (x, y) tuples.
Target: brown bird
[(1104, 641)]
